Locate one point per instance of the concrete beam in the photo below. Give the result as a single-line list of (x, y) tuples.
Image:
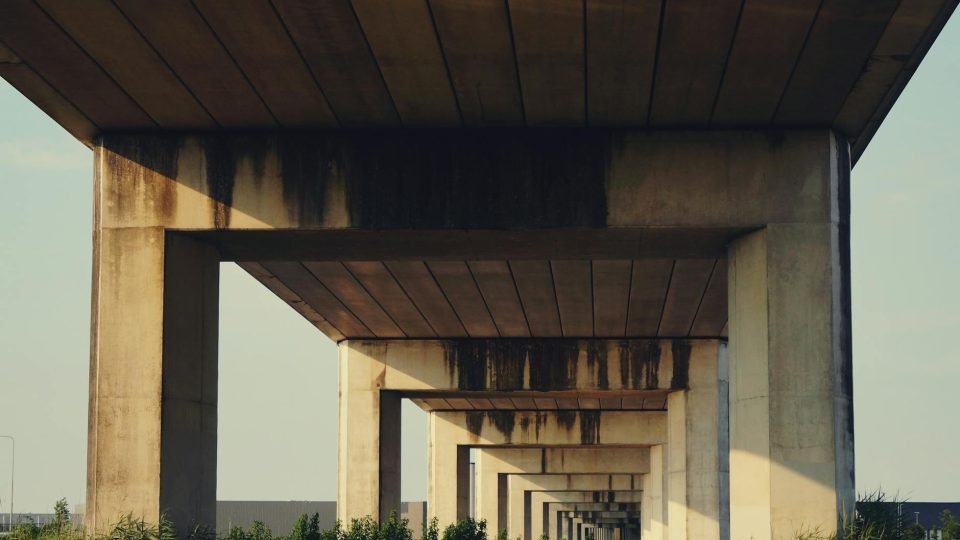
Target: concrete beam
[(530, 365), (492, 465), (527, 180)]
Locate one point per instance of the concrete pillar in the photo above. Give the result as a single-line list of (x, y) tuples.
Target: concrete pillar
[(791, 412), (694, 450), (369, 446), (152, 442), (493, 465), (652, 513)]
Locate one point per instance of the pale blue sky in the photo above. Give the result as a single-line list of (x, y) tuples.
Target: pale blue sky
[(278, 420)]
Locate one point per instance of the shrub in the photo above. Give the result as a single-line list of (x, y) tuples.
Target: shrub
[(466, 529), (396, 528), (949, 525), (364, 528), (432, 532), (335, 533)]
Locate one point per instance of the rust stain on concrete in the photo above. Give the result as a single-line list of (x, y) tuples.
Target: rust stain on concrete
[(150, 163), (590, 427), (553, 364), (640, 364), (597, 362), (566, 419), (681, 363), (220, 161)]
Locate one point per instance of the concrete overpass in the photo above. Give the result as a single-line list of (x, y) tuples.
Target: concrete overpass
[(594, 190)]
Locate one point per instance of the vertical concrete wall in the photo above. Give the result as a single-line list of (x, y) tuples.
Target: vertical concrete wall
[(153, 379)]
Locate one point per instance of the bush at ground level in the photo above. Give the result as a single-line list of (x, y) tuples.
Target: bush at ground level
[(876, 518)]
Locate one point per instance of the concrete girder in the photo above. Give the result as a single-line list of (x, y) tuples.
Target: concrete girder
[(374, 181)]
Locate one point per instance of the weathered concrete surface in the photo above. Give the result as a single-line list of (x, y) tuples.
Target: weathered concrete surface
[(370, 369), (531, 179), (492, 464), (695, 451), (654, 515), (544, 519), (526, 516), (537, 365), (153, 379), (791, 413), (539, 519), (450, 429), (560, 525), (368, 457)]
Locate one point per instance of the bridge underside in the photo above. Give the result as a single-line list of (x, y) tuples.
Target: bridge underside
[(684, 295), (621, 228)]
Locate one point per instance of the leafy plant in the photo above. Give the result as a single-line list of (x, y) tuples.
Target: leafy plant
[(466, 529), (949, 525), (334, 533), (364, 528), (915, 532), (396, 528), (432, 532), (259, 531)]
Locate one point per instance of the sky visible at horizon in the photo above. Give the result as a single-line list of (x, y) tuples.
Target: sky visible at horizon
[(278, 374)]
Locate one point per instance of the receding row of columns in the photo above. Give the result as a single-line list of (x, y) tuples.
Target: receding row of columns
[(168, 210), (669, 461)]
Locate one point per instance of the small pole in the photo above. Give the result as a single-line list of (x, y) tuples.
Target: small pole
[(13, 457)]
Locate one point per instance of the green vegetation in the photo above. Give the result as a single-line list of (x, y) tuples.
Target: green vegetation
[(950, 526), (466, 529), (877, 518), (305, 528)]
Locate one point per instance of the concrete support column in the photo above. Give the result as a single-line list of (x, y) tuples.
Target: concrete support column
[(791, 412), (369, 446), (153, 379), (694, 450), (446, 489), (652, 515)]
